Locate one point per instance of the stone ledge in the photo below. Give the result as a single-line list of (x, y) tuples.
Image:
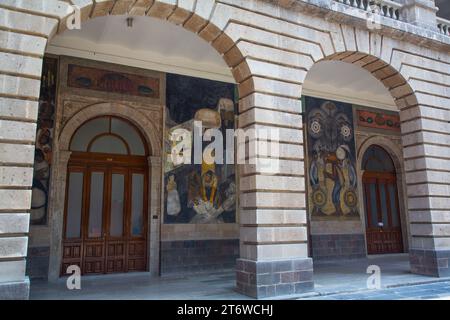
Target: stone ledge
[(15, 290), (265, 279)]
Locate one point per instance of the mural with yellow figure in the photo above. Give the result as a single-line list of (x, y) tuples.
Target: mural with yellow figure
[(204, 192), (331, 160)]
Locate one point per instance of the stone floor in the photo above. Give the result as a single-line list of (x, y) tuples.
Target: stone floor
[(333, 280)]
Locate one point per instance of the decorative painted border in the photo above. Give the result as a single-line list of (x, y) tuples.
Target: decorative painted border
[(378, 120)]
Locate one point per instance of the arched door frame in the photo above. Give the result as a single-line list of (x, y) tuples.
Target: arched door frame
[(59, 176), (395, 153)]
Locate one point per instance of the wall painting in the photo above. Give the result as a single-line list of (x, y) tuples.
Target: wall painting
[(44, 142), (110, 81), (331, 158), (198, 193), (378, 120)]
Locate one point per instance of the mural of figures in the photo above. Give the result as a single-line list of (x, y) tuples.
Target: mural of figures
[(331, 160), (198, 193), (44, 140)]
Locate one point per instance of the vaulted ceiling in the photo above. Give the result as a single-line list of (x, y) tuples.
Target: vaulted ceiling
[(159, 45)]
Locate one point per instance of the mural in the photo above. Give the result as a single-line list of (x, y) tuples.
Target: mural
[(198, 193), (109, 81), (44, 141), (378, 120), (331, 160)]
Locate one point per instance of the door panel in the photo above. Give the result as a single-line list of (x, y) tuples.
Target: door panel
[(383, 230), (105, 218), (117, 205), (96, 202)]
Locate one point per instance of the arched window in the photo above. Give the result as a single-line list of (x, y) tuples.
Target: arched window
[(108, 135), (376, 159)]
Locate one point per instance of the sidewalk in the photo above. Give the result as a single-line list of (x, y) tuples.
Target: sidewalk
[(430, 291)]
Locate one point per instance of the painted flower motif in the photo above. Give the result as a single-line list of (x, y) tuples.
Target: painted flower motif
[(316, 127), (346, 131)]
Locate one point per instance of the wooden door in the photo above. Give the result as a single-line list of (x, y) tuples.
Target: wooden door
[(383, 226), (105, 225)]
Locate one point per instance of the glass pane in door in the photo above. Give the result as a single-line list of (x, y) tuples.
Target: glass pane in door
[(137, 204), (74, 205), (117, 204), (393, 202), (373, 205), (96, 205), (384, 205)]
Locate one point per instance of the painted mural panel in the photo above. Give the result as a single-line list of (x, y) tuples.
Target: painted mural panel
[(331, 159), (44, 143), (378, 120), (198, 193), (110, 81)]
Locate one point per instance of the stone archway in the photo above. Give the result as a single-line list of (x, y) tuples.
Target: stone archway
[(114, 109), (396, 155), (270, 65), (404, 98)]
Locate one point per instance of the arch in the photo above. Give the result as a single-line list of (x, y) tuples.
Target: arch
[(208, 19), (390, 147), (396, 154), (138, 119), (399, 88), (383, 157)]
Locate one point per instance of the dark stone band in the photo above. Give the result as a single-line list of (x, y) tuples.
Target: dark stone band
[(338, 246), (264, 279), (193, 256), (430, 262), (15, 290)]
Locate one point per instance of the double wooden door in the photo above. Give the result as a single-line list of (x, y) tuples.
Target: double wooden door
[(383, 226), (105, 228)]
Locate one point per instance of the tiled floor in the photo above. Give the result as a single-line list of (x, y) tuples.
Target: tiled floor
[(333, 280)]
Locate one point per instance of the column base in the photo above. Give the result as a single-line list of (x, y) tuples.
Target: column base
[(433, 263), (265, 279), (19, 290)]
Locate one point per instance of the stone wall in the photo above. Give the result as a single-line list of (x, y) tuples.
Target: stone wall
[(270, 67), (195, 256)]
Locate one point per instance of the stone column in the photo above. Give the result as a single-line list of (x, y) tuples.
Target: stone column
[(57, 204), (427, 167), (421, 13), (155, 215), (25, 28), (273, 236)]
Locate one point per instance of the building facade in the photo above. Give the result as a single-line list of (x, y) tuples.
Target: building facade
[(85, 140)]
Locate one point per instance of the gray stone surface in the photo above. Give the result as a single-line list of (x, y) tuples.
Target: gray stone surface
[(338, 246), (19, 290), (193, 256), (430, 262), (331, 280), (264, 279)]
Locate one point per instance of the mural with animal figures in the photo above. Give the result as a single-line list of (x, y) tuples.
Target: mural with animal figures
[(198, 193), (113, 82), (44, 143), (331, 158)]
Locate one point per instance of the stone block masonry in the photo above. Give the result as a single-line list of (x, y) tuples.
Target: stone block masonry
[(265, 279)]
